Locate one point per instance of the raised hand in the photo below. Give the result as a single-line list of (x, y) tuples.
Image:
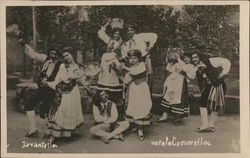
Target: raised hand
[(177, 56), (109, 21), (27, 48), (148, 49)]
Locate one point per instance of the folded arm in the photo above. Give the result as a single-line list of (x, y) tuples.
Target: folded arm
[(137, 69), (221, 62)]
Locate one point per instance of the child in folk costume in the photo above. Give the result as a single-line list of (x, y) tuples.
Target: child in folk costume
[(65, 119), (175, 96), (138, 98), (186, 57), (105, 115)]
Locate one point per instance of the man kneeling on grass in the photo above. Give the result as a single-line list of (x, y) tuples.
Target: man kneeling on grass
[(105, 116)]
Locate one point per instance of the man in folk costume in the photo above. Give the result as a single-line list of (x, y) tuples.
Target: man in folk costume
[(44, 94), (143, 42), (105, 115), (210, 75)]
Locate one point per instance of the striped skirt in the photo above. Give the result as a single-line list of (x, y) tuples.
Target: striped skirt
[(178, 110), (213, 98), (117, 88), (57, 131), (115, 92), (143, 122), (66, 117)]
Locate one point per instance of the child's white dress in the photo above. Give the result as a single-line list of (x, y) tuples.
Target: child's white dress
[(175, 98)]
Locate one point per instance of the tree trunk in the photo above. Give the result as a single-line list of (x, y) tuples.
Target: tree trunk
[(34, 41)]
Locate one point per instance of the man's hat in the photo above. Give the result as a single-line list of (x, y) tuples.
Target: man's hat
[(68, 49), (131, 25), (55, 48)]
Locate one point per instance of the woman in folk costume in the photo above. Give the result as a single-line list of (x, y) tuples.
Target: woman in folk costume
[(114, 42), (110, 77), (143, 42), (211, 72), (138, 98), (66, 118), (175, 92)]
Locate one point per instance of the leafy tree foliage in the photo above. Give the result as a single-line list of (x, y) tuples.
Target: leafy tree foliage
[(195, 28)]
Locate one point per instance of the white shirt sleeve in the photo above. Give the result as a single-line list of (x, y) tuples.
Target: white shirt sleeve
[(224, 63), (103, 36), (37, 57), (190, 71), (148, 37)]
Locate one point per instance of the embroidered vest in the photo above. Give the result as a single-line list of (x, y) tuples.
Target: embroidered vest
[(50, 78), (108, 108)]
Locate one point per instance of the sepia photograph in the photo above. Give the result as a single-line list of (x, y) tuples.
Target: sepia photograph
[(124, 78)]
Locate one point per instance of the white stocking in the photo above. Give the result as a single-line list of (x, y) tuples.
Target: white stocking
[(213, 118), (32, 120), (204, 117)]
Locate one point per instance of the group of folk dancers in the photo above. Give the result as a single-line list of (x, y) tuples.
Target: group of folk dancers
[(123, 99)]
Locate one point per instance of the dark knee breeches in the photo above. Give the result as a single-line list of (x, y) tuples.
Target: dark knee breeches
[(45, 95)]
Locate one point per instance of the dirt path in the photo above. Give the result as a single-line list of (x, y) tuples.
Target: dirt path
[(225, 139)]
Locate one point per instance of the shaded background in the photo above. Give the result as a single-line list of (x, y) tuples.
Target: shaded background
[(209, 29)]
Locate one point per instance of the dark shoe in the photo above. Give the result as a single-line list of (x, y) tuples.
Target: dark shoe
[(32, 134), (45, 136), (177, 122), (203, 130)]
